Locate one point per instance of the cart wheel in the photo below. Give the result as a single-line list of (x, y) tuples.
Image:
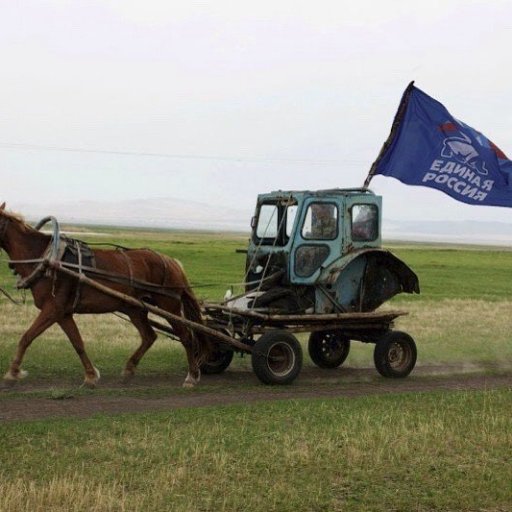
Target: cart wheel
[(218, 361), (395, 354), (277, 357), (328, 349)]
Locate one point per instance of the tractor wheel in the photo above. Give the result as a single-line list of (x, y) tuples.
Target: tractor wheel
[(277, 357), (218, 361), (328, 349), (395, 354)]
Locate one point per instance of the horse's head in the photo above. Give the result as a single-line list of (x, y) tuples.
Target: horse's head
[(9, 219)]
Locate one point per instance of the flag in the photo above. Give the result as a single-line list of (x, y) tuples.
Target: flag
[(427, 146)]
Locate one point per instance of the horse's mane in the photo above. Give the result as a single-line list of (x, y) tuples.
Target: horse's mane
[(17, 217)]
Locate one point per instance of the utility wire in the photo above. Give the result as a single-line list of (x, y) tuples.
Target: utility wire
[(11, 145)]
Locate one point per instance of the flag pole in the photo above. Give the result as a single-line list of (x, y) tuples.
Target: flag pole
[(400, 113)]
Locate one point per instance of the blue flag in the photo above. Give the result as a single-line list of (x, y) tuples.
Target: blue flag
[(429, 147)]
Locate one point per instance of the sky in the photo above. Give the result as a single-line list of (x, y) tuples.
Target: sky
[(218, 101)]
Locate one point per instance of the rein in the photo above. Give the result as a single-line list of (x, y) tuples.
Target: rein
[(130, 281), (13, 300)]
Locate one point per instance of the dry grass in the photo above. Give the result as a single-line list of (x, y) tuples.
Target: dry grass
[(455, 330), (64, 494), (469, 334)]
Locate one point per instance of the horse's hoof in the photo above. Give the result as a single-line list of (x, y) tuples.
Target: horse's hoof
[(128, 372), (11, 379), (91, 382), (191, 381)]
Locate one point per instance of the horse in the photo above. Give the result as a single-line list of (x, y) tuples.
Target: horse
[(59, 296)]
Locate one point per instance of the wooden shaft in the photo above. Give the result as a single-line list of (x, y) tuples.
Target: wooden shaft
[(370, 316), (152, 309)]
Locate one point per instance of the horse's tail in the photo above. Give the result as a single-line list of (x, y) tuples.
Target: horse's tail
[(203, 345)]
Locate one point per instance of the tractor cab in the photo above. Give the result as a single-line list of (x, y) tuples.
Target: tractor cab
[(320, 252)]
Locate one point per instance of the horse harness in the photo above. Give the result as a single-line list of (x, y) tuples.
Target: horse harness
[(78, 253), (79, 257)]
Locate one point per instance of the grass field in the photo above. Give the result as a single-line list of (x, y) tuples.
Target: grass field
[(423, 452), (430, 451)]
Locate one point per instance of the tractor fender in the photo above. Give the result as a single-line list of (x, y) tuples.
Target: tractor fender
[(366, 278)]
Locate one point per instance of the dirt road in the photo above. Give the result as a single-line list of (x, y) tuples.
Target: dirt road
[(39, 400)]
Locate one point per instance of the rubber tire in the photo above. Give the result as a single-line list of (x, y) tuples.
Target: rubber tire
[(277, 357), (218, 361), (321, 349), (385, 353)]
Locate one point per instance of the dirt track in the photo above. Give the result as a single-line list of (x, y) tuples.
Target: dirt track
[(230, 388)]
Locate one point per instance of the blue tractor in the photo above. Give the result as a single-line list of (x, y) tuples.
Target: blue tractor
[(315, 264), (321, 252)]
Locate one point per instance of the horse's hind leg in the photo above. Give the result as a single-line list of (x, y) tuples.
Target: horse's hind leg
[(186, 338), (148, 336), (44, 320), (68, 325)]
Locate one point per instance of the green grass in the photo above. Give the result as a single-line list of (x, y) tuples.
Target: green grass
[(438, 451), (460, 273)]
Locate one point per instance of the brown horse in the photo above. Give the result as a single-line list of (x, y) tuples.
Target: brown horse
[(58, 298)]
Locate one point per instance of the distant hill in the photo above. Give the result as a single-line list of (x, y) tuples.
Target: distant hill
[(182, 214), (154, 213)]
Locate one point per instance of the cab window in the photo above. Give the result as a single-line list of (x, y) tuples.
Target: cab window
[(274, 223), (365, 222), (321, 222), (291, 213), (267, 221), (309, 258)]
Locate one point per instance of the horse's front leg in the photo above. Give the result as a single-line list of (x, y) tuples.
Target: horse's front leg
[(44, 320), (92, 374)]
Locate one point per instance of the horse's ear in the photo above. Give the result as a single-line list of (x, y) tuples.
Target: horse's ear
[(2, 206)]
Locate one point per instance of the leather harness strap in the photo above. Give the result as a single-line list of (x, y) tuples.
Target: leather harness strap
[(80, 271), (167, 291), (128, 264)]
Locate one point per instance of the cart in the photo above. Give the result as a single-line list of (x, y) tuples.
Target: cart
[(276, 353)]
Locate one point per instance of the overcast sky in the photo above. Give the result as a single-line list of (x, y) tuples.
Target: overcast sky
[(227, 99)]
